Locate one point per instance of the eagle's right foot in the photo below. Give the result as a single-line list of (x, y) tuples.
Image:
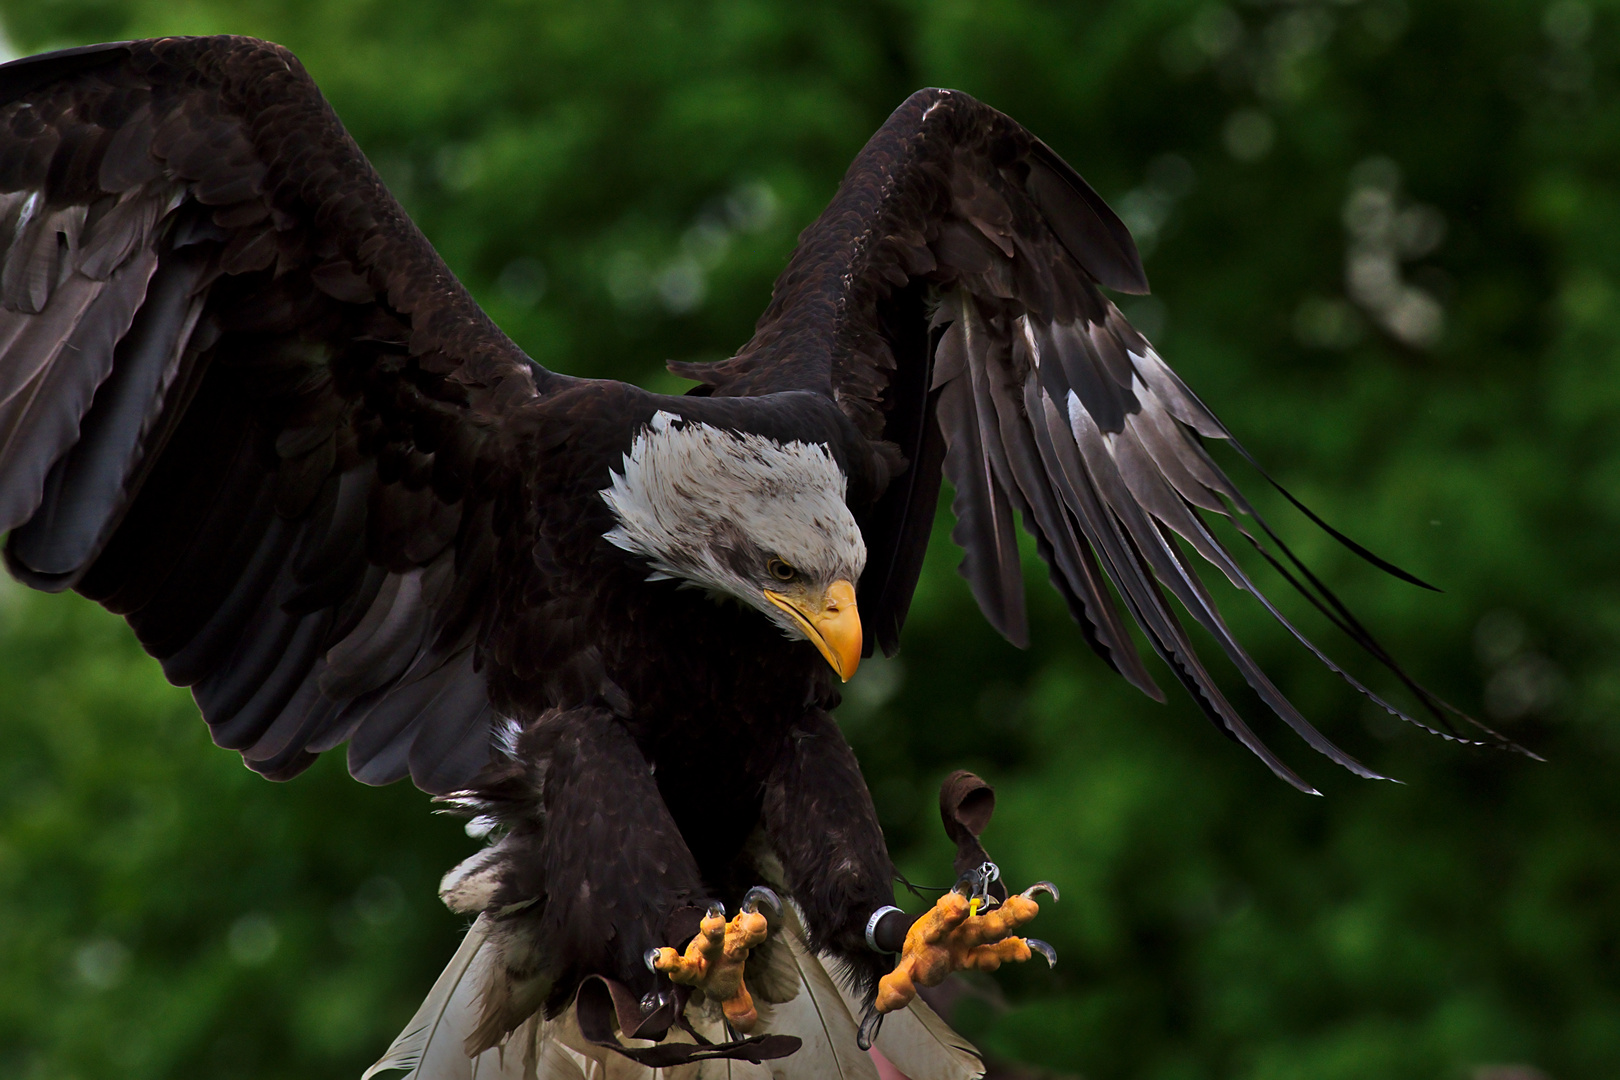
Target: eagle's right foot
[(955, 935), (714, 959)]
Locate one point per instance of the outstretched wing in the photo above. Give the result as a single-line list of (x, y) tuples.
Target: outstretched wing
[(948, 299), (244, 404)]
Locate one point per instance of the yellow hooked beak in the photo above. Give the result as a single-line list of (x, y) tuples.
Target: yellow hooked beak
[(830, 622)]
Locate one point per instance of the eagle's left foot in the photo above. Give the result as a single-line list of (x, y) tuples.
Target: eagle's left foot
[(714, 959), (958, 933)]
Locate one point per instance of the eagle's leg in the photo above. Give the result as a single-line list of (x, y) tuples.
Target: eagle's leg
[(819, 821), (715, 957), (589, 875), (958, 934)]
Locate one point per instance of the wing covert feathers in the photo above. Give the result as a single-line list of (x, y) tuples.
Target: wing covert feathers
[(1052, 407), (244, 404)]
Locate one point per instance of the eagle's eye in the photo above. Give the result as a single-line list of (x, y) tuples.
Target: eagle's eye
[(780, 570)]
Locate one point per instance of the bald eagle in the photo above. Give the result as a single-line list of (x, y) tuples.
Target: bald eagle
[(244, 404)]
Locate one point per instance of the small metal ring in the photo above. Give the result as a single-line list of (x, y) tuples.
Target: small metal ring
[(871, 927)]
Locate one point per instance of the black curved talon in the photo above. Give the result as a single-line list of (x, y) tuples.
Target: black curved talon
[(1041, 886), (975, 883), (1036, 945), (759, 896), (716, 910), (650, 957), (869, 1028)]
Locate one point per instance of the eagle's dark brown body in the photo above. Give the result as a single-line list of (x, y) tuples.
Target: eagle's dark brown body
[(244, 404), (693, 708)]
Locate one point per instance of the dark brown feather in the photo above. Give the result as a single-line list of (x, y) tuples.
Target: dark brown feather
[(245, 404), (291, 301), (1019, 246)]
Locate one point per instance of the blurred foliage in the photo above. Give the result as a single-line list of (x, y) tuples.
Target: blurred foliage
[(1385, 242)]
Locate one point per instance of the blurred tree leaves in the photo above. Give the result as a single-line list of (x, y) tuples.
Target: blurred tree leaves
[(1385, 243)]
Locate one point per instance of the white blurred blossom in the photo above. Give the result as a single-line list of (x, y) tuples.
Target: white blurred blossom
[(101, 963), (1384, 230)]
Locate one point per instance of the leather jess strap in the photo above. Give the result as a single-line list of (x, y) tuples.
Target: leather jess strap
[(965, 805), (603, 1004)]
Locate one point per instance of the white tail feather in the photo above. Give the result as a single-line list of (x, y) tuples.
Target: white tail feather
[(430, 1047), (819, 1016), (915, 1040), (553, 1059), (708, 1021), (922, 1046), (561, 1036), (719, 1069), (507, 1062), (555, 1056)]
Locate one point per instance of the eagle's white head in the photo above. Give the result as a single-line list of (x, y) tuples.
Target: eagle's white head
[(746, 517)]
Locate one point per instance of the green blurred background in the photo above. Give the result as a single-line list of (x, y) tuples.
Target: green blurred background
[(1384, 238)]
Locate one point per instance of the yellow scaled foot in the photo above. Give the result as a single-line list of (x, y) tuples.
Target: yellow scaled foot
[(958, 934), (714, 959)]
